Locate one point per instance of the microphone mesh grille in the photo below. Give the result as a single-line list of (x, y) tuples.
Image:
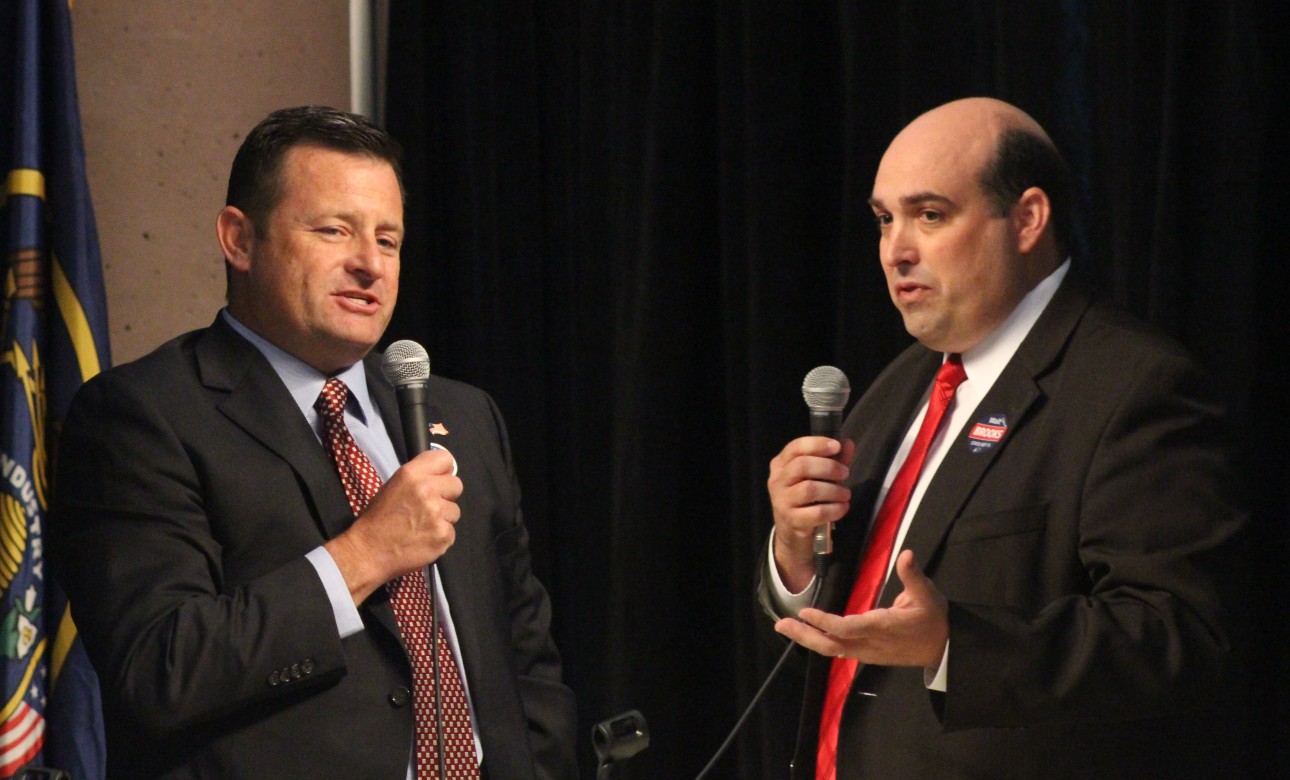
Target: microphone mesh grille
[(826, 389), (405, 362)]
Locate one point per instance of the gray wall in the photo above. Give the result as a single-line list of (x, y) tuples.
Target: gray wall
[(167, 90)]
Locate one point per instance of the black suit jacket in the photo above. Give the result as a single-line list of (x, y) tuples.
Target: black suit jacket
[(190, 488), (1086, 557)]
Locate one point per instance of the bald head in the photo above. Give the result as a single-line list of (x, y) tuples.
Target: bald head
[(968, 118)]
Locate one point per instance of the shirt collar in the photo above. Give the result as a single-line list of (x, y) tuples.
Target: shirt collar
[(303, 381), (986, 361)]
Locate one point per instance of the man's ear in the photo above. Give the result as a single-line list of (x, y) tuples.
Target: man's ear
[(1030, 218), (236, 236)]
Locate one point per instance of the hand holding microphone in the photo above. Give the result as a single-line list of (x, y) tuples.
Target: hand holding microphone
[(826, 390), (410, 522), (804, 484)]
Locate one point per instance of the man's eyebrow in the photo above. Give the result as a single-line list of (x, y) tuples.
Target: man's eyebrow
[(915, 199)]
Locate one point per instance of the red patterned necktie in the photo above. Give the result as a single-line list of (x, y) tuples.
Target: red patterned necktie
[(413, 608), (877, 556)]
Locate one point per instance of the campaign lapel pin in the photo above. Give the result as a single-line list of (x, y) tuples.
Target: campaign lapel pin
[(987, 432)]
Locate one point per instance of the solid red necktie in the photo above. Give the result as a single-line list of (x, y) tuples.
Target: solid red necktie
[(877, 557), (413, 610)]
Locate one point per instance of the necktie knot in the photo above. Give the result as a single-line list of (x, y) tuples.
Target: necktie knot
[(331, 401), (951, 374)]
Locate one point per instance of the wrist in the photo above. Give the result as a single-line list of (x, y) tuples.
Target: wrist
[(354, 565)]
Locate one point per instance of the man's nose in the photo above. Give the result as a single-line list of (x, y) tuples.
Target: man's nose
[(898, 245), (368, 258)]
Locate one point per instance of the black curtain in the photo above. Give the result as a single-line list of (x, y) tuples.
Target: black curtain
[(639, 224)]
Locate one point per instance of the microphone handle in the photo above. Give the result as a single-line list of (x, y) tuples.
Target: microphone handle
[(824, 423), (412, 414)]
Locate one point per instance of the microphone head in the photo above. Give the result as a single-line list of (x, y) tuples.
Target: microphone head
[(826, 389), (406, 363)]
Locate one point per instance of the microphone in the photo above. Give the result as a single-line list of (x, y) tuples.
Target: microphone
[(826, 391), (406, 365)]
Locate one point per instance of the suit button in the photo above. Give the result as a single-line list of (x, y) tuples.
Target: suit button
[(307, 667), (274, 679), (399, 697), (295, 671)]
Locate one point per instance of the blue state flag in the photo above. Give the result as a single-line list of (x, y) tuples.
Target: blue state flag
[(53, 337)]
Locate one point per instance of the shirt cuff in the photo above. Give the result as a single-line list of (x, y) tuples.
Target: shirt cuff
[(785, 601), (348, 621), (940, 681)]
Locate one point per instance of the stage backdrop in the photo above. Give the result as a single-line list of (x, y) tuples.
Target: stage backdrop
[(640, 224)]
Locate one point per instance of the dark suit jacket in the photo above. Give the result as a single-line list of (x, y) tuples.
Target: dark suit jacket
[(190, 488), (1085, 557)]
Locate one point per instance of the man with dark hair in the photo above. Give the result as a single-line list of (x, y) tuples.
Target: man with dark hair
[(1034, 553), (248, 559)]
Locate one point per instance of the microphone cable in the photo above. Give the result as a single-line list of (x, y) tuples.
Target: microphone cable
[(820, 561)]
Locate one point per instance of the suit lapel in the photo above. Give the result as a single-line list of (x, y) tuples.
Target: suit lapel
[(259, 404), (1013, 395)]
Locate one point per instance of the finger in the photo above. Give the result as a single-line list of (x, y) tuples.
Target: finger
[(806, 468), (434, 461), (848, 452), (805, 519), (809, 637), (450, 487), (817, 446), (450, 513), (842, 627), (807, 493)]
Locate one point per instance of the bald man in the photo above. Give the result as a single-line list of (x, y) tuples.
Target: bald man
[(1044, 591)]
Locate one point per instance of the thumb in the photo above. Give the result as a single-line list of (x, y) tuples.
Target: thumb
[(917, 586)]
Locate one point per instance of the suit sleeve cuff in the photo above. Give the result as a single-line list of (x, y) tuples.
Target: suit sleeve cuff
[(348, 621)]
